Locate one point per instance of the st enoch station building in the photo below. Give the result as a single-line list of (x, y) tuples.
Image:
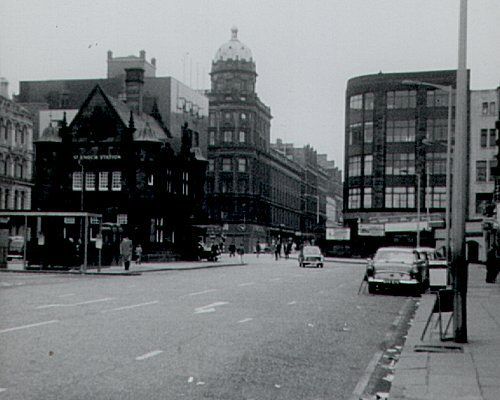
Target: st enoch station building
[(115, 160)]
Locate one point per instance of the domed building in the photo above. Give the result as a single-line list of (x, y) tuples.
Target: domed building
[(253, 192)]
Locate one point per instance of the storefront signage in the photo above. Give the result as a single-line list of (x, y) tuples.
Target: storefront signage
[(97, 157), (338, 233), (371, 230)]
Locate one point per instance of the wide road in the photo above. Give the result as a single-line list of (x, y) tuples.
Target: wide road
[(265, 330)]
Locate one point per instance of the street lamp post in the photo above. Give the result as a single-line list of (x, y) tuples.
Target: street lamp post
[(418, 208)]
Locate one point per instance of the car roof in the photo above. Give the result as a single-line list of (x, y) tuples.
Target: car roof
[(404, 249)]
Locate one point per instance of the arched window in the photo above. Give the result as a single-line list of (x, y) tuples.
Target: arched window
[(17, 134), (8, 127)]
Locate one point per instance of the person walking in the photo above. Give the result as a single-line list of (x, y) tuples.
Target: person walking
[(241, 252), (491, 266), (126, 249), (138, 254), (257, 248), (232, 250)]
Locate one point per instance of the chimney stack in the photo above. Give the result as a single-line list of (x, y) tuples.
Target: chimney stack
[(134, 88), (4, 88)]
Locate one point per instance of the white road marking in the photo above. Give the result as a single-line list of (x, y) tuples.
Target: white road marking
[(2, 390), (29, 326), (246, 284), (209, 308), (149, 355), (66, 295), (202, 292), (291, 303), (75, 304), (191, 379), (245, 320), (131, 306)]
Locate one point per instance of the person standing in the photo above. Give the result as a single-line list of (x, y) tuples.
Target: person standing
[(491, 266), (241, 252), (257, 248), (126, 249), (138, 254)]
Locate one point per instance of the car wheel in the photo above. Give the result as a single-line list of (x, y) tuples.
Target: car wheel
[(320, 265)]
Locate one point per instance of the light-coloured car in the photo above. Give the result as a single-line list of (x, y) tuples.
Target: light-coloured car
[(396, 266), (311, 255)]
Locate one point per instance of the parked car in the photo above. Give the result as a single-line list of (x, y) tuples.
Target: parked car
[(437, 277), (397, 267), (311, 255)]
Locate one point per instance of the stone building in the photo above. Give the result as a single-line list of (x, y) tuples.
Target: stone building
[(116, 160), (253, 192), (16, 154)]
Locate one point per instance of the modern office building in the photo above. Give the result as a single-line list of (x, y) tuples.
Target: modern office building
[(16, 154), (165, 97), (395, 157)]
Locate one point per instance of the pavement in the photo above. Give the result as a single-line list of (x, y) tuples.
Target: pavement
[(433, 369), (137, 269)]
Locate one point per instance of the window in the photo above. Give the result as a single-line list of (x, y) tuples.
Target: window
[(367, 197), (227, 116), (243, 116), (400, 164), (228, 136), (437, 130), (401, 99), (77, 181), (484, 137), (493, 165), (354, 200), (195, 139), (483, 200), (436, 163), (400, 131), (103, 181), (7, 199), (226, 165), (355, 166), (211, 165), (122, 219), (492, 108), (485, 108), (368, 165), (22, 201), (368, 101), (89, 181), (151, 180), (185, 183), (116, 180), (481, 171), (368, 132), (435, 197), (169, 186), (399, 197), (355, 134), (226, 184), (242, 137), (242, 165), (437, 98), (212, 120), (211, 138), (493, 137), (243, 185), (356, 102), (95, 220)]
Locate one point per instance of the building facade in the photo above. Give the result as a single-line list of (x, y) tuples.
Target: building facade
[(483, 149), (254, 193), (395, 158), (117, 161), (16, 156)]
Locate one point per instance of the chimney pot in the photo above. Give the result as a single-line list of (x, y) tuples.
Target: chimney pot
[(142, 54)]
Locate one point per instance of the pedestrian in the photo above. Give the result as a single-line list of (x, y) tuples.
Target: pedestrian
[(257, 248), (232, 250), (287, 249), (126, 249), (241, 252), (138, 254), (491, 266), (277, 252)]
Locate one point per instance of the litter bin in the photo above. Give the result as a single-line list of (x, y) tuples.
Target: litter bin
[(438, 274)]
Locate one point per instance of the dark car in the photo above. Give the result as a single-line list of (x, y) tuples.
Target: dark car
[(402, 267)]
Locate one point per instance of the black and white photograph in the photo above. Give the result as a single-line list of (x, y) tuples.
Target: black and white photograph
[(250, 200)]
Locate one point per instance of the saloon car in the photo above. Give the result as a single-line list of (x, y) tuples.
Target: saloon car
[(402, 267), (311, 255)]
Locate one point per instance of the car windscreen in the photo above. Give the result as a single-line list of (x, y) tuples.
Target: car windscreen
[(394, 256), (311, 251)]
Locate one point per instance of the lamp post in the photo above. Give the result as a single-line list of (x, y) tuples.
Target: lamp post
[(449, 90), (418, 208)]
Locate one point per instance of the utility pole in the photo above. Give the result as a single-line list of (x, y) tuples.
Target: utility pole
[(459, 264)]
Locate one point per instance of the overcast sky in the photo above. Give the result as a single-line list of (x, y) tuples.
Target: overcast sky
[(305, 51)]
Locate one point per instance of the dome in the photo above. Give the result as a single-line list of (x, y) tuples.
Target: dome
[(50, 134), (234, 49)]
